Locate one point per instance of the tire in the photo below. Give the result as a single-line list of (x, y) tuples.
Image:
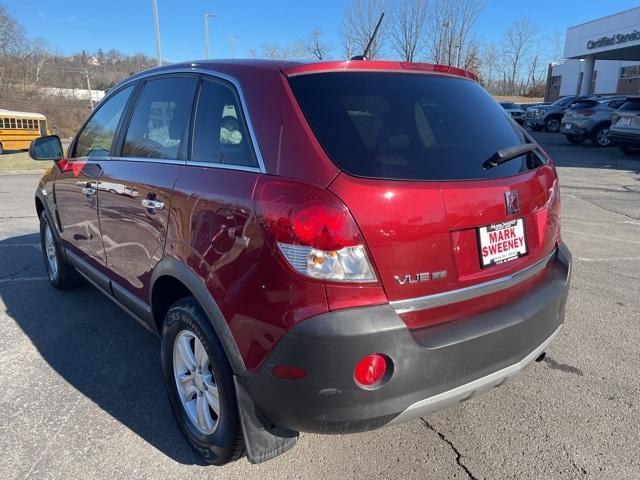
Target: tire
[(185, 326), (61, 275), (575, 139), (629, 151), (600, 136), (552, 125)]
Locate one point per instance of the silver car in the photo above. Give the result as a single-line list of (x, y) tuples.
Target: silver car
[(515, 111), (625, 127), (590, 118)]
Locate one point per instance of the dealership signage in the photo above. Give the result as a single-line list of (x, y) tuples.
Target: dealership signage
[(614, 40)]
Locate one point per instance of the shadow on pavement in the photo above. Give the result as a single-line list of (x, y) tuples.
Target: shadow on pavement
[(93, 346), (585, 155)]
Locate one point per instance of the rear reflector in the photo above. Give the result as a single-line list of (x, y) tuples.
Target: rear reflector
[(370, 370), (289, 372)]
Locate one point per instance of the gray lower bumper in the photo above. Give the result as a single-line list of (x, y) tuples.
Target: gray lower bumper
[(432, 367), (471, 389)]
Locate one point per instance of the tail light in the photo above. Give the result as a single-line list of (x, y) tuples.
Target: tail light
[(313, 230), (586, 113)]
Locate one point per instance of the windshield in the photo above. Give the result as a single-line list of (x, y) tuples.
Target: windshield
[(630, 105), (409, 126), (562, 101)]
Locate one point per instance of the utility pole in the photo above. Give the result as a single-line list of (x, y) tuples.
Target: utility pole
[(86, 74), (156, 27), (232, 41), (206, 33)]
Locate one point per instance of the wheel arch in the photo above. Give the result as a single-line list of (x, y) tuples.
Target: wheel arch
[(172, 280)]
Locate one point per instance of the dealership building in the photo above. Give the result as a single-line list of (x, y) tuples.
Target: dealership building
[(602, 57)]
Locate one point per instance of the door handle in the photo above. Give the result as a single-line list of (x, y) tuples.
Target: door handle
[(88, 191), (152, 204)]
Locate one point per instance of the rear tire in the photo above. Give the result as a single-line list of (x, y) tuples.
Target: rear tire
[(629, 151), (193, 357), (552, 125), (575, 139), (61, 275), (600, 136)]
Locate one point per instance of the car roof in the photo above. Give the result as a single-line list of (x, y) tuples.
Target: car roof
[(294, 68)]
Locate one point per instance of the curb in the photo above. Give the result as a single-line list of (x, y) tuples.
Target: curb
[(21, 172)]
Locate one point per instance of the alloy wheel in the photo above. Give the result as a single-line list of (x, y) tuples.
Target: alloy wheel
[(51, 253), (602, 137), (196, 383)]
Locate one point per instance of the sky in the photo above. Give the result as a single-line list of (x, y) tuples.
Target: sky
[(127, 25)]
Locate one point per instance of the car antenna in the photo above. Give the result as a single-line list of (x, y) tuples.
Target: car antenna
[(373, 37)]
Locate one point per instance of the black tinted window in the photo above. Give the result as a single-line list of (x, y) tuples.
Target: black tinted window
[(507, 105), (584, 104), (96, 138), (219, 134), (409, 126), (160, 121), (630, 106)]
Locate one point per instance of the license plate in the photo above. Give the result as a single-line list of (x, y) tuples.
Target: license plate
[(624, 121), (502, 242), (567, 126)]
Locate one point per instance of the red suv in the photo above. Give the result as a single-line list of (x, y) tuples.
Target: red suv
[(328, 247)]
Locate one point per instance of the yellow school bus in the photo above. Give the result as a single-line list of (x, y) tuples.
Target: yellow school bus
[(19, 129)]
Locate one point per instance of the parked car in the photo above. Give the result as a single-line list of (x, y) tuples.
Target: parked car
[(514, 110), (625, 127), (338, 260), (548, 117), (590, 119)]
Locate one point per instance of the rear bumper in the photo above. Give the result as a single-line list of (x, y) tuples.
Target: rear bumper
[(623, 138), (432, 368), (576, 129)]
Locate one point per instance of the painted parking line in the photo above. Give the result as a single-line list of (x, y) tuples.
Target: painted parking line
[(23, 279), (34, 245), (604, 237), (607, 259)]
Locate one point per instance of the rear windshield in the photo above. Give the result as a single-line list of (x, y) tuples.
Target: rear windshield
[(584, 104), (630, 105), (409, 126)]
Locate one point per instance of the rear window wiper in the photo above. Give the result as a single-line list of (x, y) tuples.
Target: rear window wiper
[(508, 153)]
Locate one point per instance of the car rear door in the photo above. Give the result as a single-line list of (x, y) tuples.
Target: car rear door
[(76, 190), (136, 185)]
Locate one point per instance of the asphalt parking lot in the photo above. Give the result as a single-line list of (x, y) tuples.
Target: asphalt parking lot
[(81, 393)]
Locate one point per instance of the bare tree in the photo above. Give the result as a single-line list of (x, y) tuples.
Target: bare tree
[(316, 46), (517, 45), (408, 28), (359, 23), (450, 30)]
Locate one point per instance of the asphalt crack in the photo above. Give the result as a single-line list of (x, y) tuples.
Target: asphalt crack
[(453, 447)]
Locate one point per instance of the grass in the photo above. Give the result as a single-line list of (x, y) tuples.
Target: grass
[(20, 161), (518, 99)]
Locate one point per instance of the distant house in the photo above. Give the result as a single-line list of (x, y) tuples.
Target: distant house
[(93, 61)]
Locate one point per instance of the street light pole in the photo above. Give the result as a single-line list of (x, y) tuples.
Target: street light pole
[(156, 27), (232, 40), (206, 33)]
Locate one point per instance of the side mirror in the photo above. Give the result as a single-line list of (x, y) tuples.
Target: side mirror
[(46, 148)]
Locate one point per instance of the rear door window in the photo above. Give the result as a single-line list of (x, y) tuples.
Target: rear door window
[(159, 126), (409, 126), (220, 134)]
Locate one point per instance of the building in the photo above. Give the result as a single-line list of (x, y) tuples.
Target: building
[(602, 57)]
